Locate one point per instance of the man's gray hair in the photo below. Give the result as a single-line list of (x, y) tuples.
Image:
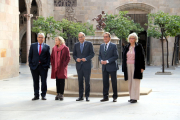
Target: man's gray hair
[(41, 34), (82, 33), (107, 33)]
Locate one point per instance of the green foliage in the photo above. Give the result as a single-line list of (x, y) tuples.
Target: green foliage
[(73, 28), (46, 26), (121, 25), (162, 23), (63, 28)]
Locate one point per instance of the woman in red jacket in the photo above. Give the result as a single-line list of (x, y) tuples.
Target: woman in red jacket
[(60, 58)]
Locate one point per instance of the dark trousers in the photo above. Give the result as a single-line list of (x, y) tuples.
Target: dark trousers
[(39, 71), (106, 83), (84, 73), (60, 83)]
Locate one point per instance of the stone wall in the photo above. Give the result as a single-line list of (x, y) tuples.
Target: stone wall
[(9, 38), (86, 10)]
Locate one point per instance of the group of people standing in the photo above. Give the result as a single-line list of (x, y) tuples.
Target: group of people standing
[(40, 58)]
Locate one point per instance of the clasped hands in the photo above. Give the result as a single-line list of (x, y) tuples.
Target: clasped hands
[(82, 59), (103, 62)]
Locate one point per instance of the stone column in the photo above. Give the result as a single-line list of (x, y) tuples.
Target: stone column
[(28, 33)]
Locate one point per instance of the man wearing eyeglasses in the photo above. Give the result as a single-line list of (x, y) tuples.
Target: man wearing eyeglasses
[(83, 53), (39, 62), (108, 56)]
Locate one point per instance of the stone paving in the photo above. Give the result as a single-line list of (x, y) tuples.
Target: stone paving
[(163, 103)]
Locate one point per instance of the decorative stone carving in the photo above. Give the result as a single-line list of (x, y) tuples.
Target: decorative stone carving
[(65, 3), (70, 14)]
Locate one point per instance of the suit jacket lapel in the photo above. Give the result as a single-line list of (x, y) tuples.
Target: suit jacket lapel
[(85, 43), (78, 46), (37, 48), (109, 47)]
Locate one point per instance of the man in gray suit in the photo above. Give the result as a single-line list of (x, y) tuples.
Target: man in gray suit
[(108, 56), (83, 53)]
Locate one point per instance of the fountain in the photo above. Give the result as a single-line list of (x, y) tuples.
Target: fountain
[(96, 83)]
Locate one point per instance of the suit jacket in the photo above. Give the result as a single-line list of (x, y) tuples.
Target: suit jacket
[(111, 56), (139, 61), (34, 56), (88, 53)]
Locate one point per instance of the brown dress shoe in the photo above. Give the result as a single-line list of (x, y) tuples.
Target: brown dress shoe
[(104, 99)]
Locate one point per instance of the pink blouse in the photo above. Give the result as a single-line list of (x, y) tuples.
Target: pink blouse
[(130, 56)]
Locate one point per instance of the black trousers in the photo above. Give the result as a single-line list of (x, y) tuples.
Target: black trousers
[(39, 71), (106, 83), (84, 73), (60, 83)]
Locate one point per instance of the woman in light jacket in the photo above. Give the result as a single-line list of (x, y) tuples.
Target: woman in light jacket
[(60, 58), (133, 66)]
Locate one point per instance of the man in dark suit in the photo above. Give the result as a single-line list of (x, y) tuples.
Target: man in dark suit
[(39, 62), (108, 56), (83, 53)]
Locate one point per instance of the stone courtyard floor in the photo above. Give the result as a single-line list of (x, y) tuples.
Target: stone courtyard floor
[(163, 103)]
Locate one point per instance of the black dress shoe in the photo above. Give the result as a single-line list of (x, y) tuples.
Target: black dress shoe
[(133, 101), (79, 99), (35, 98), (114, 99), (87, 99), (43, 98), (104, 99), (130, 100)]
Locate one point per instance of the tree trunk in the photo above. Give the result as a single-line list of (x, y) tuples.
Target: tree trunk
[(167, 52), (45, 39), (174, 52), (162, 51)]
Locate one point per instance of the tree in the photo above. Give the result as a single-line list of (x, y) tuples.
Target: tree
[(48, 26), (121, 25), (161, 25), (64, 28), (71, 29)]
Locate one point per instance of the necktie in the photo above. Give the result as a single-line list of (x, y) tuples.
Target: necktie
[(81, 47), (40, 49), (105, 49)]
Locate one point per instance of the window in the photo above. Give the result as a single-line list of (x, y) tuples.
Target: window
[(65, 3)]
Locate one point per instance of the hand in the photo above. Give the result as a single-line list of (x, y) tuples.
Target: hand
[(78, 60), (142, 70), (83, 59), (105, 62), (102, 62)]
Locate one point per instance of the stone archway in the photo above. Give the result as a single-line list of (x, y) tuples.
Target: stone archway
[(39, 5), (138, 12), (32, 7), (139, 6)]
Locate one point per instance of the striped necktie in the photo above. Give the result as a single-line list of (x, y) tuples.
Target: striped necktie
[(105, 50)]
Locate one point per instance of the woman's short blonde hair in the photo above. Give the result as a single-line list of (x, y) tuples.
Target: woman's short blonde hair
[(62, 41), (133, 35)]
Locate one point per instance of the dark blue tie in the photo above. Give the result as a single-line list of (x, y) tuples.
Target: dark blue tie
[(81, 47)]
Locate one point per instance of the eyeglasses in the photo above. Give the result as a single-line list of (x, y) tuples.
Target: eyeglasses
[(81, 37), (131, 38), (40, 37), (106, 36)]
